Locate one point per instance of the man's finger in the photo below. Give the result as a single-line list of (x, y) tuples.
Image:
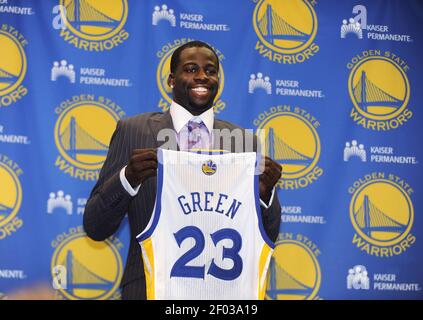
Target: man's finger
[(142, 151), (270, 176), (273, 165), (144, 165), (149, 155), (149, 173)]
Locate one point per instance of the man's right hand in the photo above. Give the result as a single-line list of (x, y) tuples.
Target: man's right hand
[(141, 165)]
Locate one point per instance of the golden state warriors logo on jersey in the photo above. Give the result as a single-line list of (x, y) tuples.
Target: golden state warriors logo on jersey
[(163, 71), (286, 30), (12, 65), (10, 196), (382, 214), (209, 168), (88, 269), (290, 138), (379, 89), (82, 134), (294, 271), (94, 25)]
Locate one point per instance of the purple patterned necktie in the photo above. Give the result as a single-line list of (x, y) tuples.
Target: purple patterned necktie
[(194, 135)]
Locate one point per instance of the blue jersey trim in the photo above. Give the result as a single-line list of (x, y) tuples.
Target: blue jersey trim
[(258, 210), (156, 214)]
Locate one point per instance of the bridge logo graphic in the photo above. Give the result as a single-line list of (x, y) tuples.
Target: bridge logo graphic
[(292, 140), (82, 133), (294, 272), (93, 269), (10, 194), (13, 65), (93, 25), (379, 89), (381, 212), (94, 19), (10, 197), (285, 27), (163, 71)]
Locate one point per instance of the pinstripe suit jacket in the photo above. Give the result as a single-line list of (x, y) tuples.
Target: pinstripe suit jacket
[(109, 201)]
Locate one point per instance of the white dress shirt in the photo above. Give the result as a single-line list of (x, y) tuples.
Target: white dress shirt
[(180, 117)]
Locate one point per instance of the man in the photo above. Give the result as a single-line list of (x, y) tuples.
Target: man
[(127, 182)]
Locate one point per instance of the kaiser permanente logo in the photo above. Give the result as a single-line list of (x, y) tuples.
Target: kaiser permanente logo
[(62, 69), (15, 274), (12, 138), (61, 202), (290, 137), (379, 154), (87, 75), (382, 214), (294, 270), (164, 15), (163, 71), (296, 214), (83, 269), (379, 90), (10, 196), (354, 150), (286, 30), (283, 87), (357, 27), (92, 25), (82, 134), (359, 278), (351, 26), (13, 65), (6, 7)]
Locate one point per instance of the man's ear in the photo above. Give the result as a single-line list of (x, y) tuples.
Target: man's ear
[(171, 80)]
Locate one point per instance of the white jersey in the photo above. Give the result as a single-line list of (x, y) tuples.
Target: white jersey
[(205, 239)]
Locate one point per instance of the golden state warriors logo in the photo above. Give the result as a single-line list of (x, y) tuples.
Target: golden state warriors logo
[(379, 90), (286, 30), (82, 134), (382, 214), (209, 168), (94, 25), (89, 269), (163, 71), (10, 196), (294, 271), (12, 65), (292, 140)]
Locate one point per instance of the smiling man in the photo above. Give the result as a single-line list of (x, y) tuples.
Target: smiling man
[(194, 77), (127, 182)]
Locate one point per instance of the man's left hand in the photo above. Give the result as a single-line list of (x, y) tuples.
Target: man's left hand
[(271, 174)]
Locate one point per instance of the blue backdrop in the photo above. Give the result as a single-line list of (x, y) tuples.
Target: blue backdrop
[(336, 86)]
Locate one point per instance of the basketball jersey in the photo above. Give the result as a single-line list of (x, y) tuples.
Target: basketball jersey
[(205, 238)]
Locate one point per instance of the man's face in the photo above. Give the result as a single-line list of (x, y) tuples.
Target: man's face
[(195, 81)]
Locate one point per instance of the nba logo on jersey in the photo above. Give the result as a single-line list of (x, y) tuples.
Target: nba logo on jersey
[(205, 239)]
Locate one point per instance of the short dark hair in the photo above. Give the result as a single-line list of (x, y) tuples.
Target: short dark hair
[(174, 61)]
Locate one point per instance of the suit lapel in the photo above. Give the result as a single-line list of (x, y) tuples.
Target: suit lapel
[(218, 143), (158, 122)]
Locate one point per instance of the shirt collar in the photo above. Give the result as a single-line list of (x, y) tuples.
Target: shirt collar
[(180, 117)]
